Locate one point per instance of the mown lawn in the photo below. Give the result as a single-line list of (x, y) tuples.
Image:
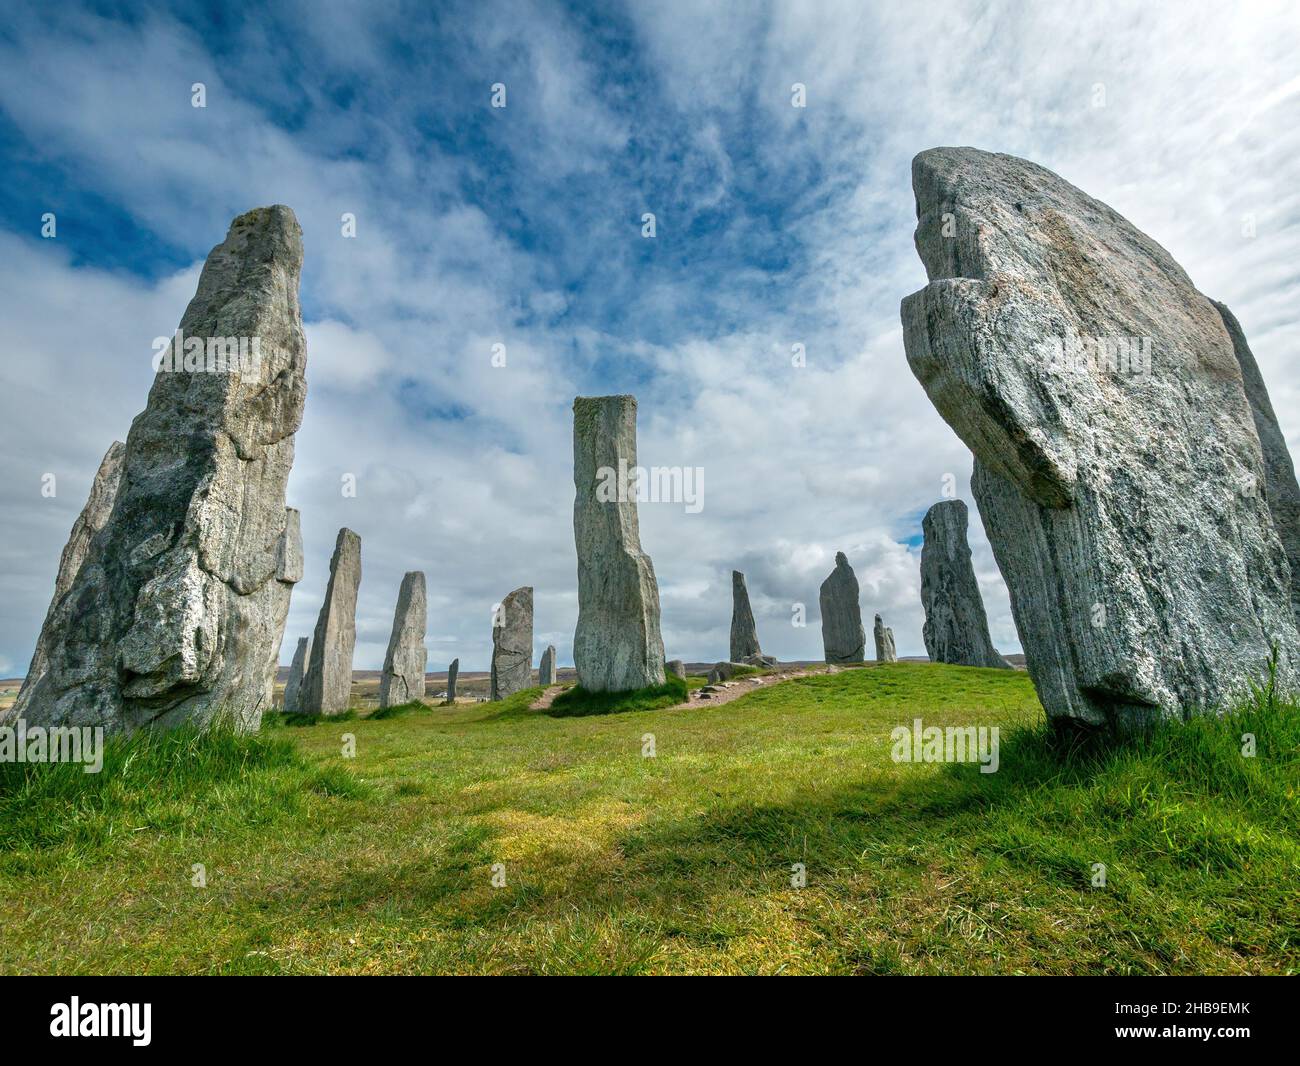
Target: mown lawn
[(681, 863)]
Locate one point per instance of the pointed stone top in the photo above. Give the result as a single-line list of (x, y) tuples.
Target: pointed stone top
[(879, 619), (841, 559)]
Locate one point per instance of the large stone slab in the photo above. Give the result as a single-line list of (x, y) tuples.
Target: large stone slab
[(843, 638), (452, 671), (297, 671), (546, 673), (618, 645), (512, 644), (744, 634), (402, 679), (956, 628), (884, 638), (327, 688), (94, 515), (1101, 395), (1279, 488), (288, 572), (174, 615)]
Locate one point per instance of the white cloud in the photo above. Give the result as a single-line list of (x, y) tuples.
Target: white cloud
[(463, 468)]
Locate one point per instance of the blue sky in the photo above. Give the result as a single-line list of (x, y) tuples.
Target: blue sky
[(521, 226)]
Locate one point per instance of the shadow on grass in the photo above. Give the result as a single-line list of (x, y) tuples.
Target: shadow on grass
[(397, 710), (273, 719), (579, 702)]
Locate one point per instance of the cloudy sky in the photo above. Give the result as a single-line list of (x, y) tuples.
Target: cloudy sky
[(522, 226)]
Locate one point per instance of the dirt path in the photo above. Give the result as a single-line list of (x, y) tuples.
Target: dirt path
[(726, 691), (546, 698), (709, 695)]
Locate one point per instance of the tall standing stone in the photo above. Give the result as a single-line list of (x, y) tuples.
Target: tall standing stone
[(94, 515), (744, 635), (288, 572), (327, 688), (452, 671), (546, 670), (174, 616), (617, 646), (1104, 402), (297, 670), (512, 644), (884, 637), (403, 678), (956, 628), (843, 638), (1280, 488)]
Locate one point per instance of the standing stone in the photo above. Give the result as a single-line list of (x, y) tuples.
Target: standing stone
[(1104, 402), (546, 670), (843, 638), (288, 572), (675, 668), (956, 628), (452, 671), (327, 688), (174, 615), (885, 652), (403, 678), (1280, 488), (617, 646), (512, 644), (297, 670), (744, 636), (99, 505)]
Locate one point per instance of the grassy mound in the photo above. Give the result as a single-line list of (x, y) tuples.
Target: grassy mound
[(773, 833), (397, 710), (578, 702), (272, 719), (181, 781)]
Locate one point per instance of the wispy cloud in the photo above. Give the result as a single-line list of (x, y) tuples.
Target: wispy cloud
[(776, 226)]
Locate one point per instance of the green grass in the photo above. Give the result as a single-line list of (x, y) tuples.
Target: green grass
[(681, 863), (274, 719), (397, 710), (578, 702)]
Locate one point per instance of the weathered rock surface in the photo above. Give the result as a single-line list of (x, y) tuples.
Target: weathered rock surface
[(1104, 402), (1280, 488), (452, 671), (327, 688), (297, 671), (843, 638), (759, 660), (956, 627), (174, 615), (402, 679), (512, 644), (546, 670), (725, 671), (675, 668), (288, 572), (744, 635), (884, 637), (618, 645), (93, 516)]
